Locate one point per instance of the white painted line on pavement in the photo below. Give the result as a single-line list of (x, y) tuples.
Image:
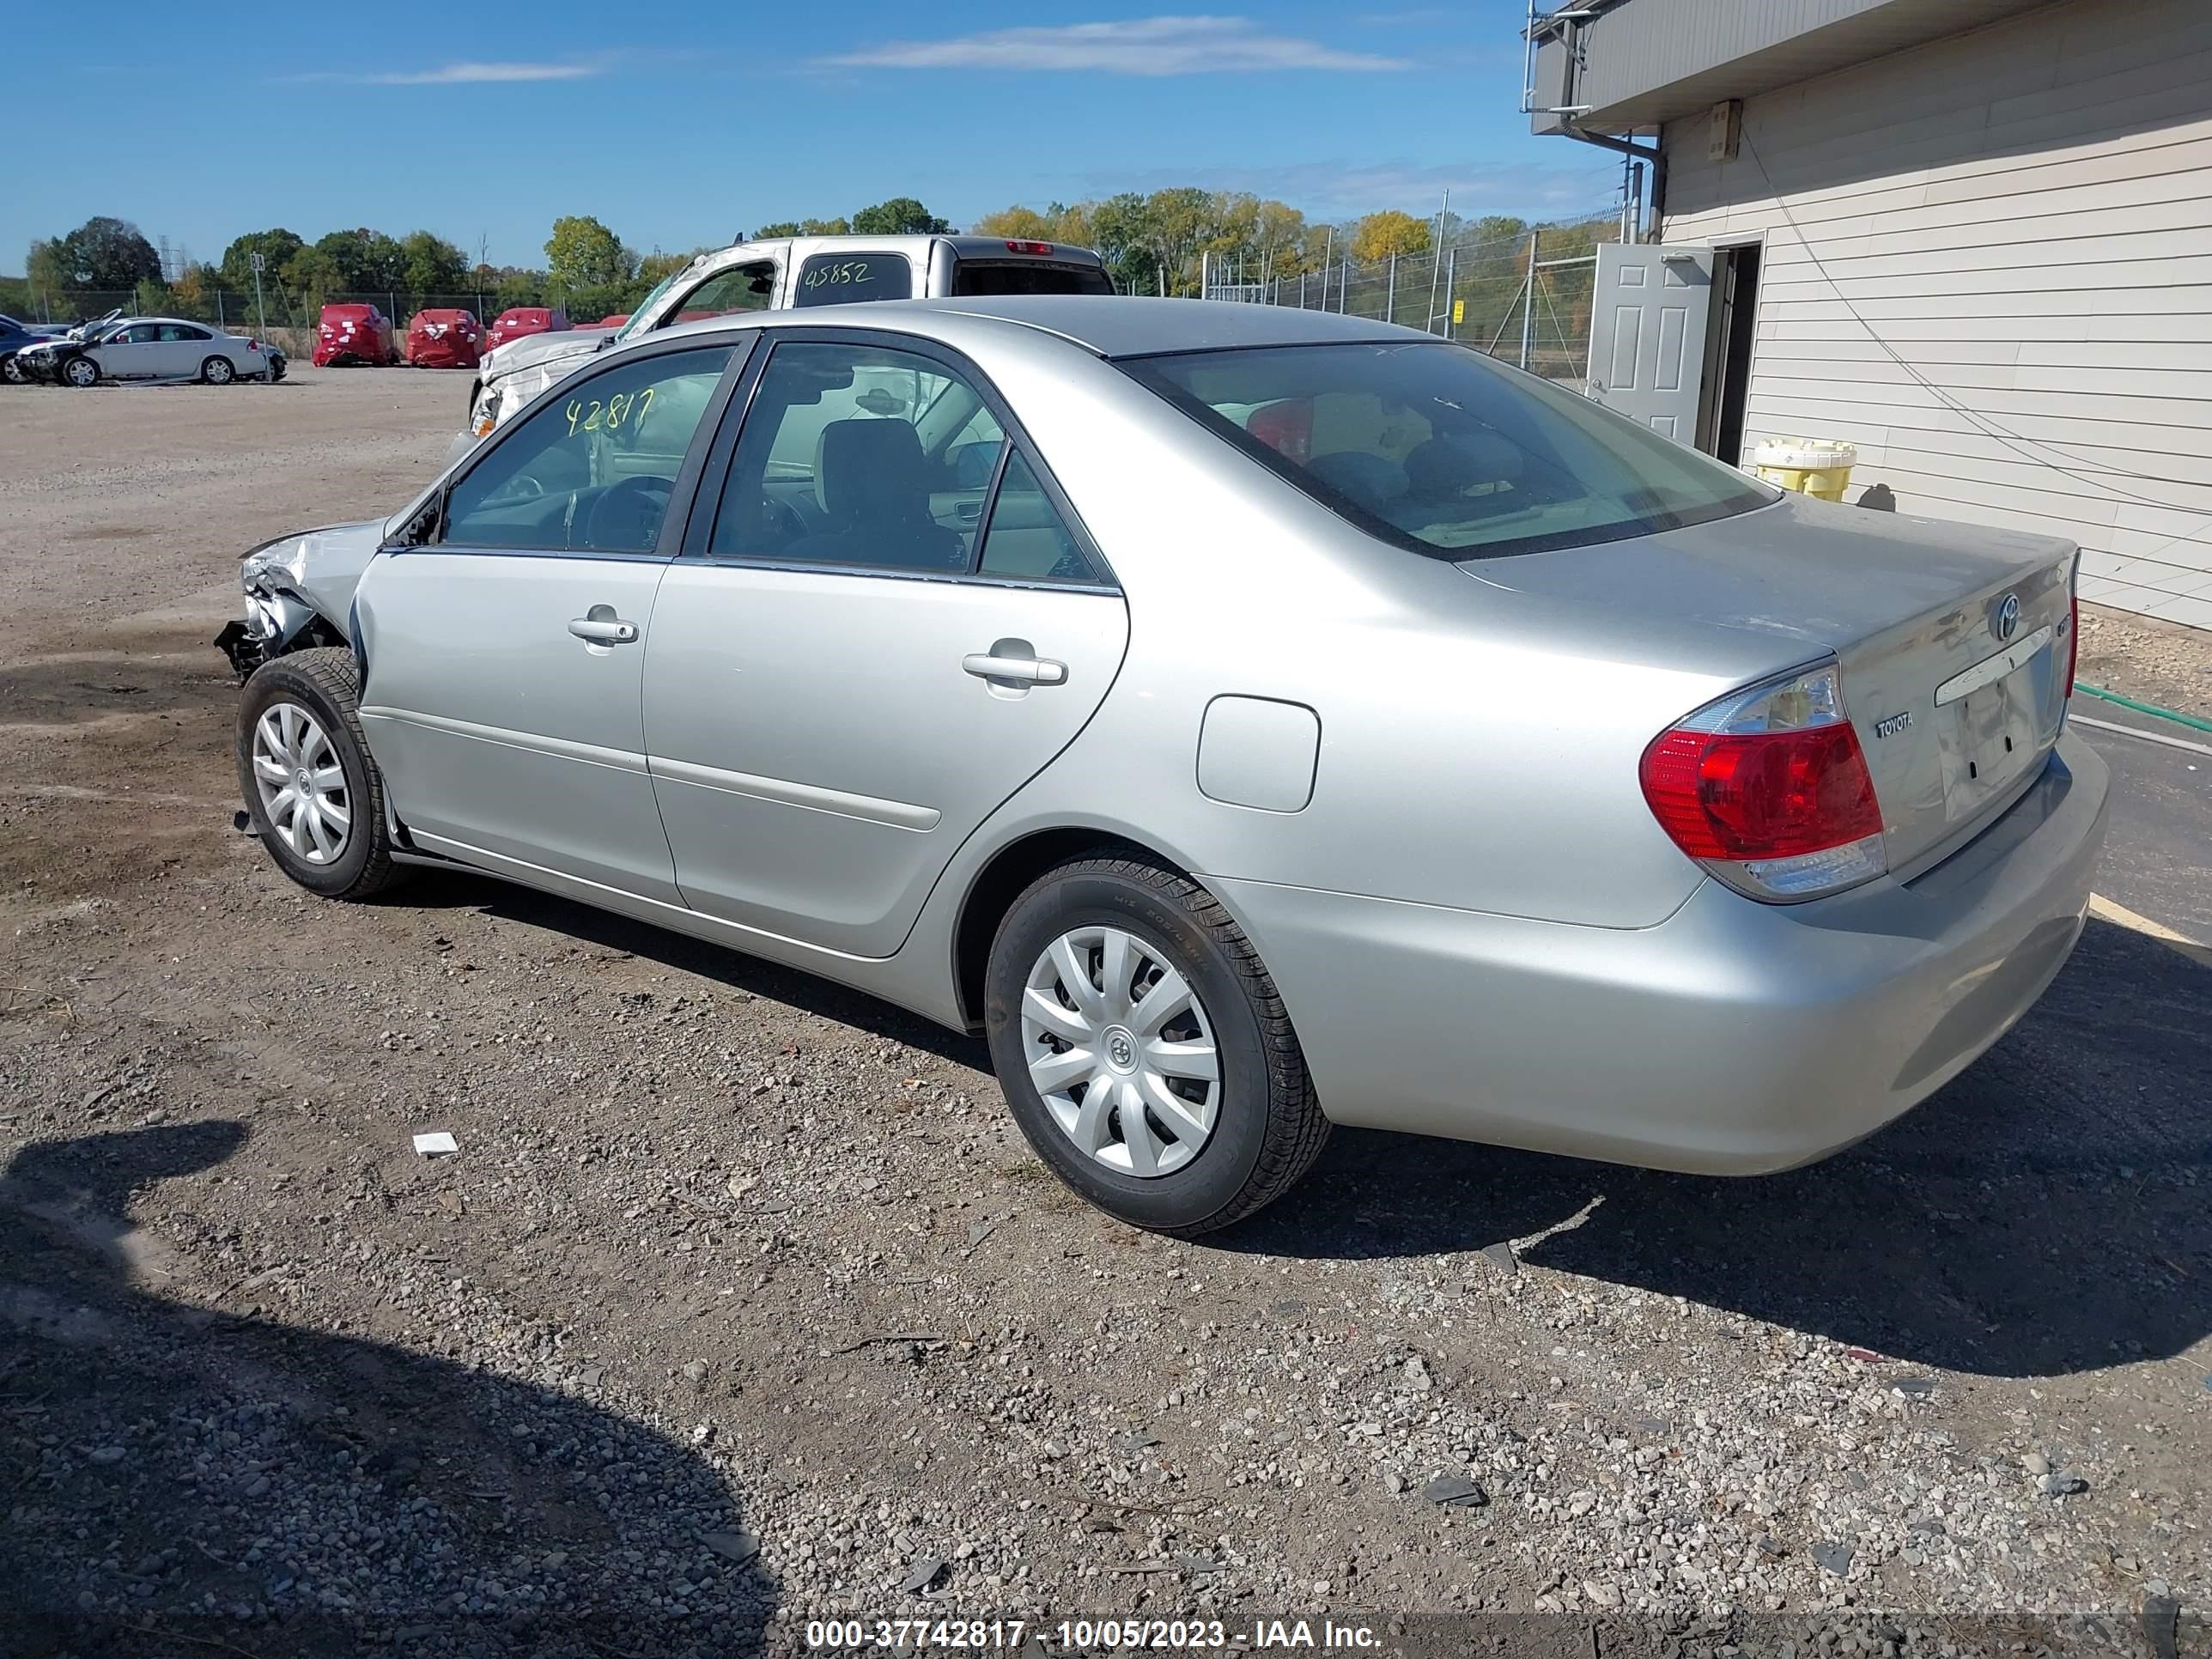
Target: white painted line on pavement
[(2104, 909)]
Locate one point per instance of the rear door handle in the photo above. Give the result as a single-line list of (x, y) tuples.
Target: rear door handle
[(1018, 671), (604, 630)]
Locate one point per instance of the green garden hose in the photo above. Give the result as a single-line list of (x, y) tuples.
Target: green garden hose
[(2175, 716)]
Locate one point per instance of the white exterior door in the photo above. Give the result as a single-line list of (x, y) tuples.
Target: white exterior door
[(1648, 333)]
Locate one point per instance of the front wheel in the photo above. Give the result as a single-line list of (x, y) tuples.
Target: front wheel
[(81, 372), (1143, 1049), (218, 370), (12, 371), (313, 791)]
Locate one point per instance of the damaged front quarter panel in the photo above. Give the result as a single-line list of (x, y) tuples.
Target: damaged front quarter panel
[(298, 592)]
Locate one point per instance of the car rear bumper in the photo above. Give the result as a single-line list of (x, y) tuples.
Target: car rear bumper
[(1733, 1038)]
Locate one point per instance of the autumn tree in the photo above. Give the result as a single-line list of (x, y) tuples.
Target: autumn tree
[(1391, 231)]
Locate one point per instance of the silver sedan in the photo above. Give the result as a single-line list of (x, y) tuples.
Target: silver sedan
[(1251, 720)]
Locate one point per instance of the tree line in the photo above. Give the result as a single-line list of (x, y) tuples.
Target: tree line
[(1158, 242)]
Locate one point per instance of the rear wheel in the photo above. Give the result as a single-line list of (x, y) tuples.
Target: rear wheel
[(1143, 1049), (311, 788), (218, 370), (81, 372)]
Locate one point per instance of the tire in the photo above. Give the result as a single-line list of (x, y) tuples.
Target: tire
[(322, 685), (80, 372), (1261, 1127), (11, 373), (218, 370)]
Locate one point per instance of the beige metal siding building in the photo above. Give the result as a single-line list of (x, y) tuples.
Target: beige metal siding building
[(1983, 255)]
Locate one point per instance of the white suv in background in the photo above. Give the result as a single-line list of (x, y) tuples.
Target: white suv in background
[(787, 271)]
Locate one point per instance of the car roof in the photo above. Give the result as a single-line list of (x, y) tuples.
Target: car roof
[(1130, 325)]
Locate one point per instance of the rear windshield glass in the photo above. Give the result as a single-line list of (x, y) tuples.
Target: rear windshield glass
[(1439, 449), (1007, 276), (836, 279)]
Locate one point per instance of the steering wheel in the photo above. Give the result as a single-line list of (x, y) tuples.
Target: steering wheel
[(781, 524), (627, 518)]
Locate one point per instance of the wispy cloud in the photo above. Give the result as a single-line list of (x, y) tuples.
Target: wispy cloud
[(1332, 189), (1140, 45), (469, 75)]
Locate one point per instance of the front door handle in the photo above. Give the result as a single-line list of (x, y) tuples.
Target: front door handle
[(1016, 670), (608, 629)]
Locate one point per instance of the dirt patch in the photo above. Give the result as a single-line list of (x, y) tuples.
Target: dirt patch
[(743, 1304), (2160, 663)]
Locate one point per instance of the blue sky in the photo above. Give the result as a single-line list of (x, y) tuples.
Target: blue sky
[(678, 126)]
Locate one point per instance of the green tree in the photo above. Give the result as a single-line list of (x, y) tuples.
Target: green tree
[(46, 272), (361, 261), (900, 217), (434, 265), (654, 267), (825, 228), (1381, 234), (278, 248), (105, 253), (583, 254), (1120, 230), (1021, 223), (780, 227)]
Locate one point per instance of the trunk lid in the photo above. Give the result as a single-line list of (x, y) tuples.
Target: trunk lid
[(1953, 640)]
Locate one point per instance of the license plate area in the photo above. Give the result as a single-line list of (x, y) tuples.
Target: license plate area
[(1991, 725)]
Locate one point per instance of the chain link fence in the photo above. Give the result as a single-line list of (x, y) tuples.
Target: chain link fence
[(1526, 299), (287, 319)]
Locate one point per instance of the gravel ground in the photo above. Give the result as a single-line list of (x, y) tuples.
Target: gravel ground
[(742, 1303)]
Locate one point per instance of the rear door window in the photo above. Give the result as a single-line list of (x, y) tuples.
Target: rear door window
[(862, 456), (837, 279)]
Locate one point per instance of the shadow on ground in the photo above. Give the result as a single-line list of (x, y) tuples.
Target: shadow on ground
[(2049, 1212), (178, 1480), (443, 888)]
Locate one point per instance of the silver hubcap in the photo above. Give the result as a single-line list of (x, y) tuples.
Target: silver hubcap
[(302, 786), (218, 370), (80, 372), (1120, 1050)]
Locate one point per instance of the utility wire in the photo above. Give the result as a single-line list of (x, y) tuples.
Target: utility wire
[(1989, 427)]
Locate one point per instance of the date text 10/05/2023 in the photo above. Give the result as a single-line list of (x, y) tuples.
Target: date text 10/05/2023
[(1074, 1636)]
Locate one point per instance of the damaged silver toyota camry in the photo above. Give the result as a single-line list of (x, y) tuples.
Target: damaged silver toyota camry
[(1249, 720)]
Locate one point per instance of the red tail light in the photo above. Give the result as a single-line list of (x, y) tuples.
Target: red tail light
[(1287, 427), (1029, 247), (1769, 789)]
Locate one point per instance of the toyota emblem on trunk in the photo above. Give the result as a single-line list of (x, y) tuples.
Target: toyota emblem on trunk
[(2006, 624)]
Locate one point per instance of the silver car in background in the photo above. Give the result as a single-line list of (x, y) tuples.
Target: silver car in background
[(1250, 719)]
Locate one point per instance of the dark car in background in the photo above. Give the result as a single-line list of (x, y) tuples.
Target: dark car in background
[(14, 336)]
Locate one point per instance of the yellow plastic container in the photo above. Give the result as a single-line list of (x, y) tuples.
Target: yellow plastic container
[(1819, 467)]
